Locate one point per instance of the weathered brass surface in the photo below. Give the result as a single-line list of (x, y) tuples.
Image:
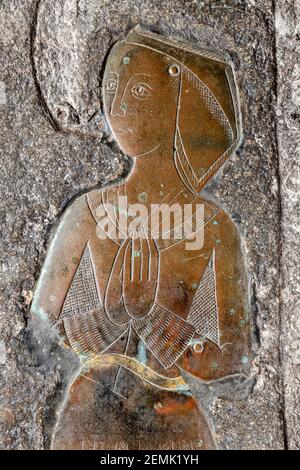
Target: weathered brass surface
[(138, 310)]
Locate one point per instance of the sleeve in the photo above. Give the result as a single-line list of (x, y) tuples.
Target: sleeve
[(62, 259), (220, 311)]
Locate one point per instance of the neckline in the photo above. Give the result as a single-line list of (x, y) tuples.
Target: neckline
[(110, 195)]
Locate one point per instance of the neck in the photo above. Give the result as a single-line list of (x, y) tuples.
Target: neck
[(153, 177)]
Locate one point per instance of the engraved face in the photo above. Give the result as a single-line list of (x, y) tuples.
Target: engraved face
[(140, 94)]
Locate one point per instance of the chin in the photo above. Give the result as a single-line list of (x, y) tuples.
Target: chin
[(127, 142), (130, 150)]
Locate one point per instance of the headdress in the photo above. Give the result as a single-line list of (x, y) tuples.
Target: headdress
[(208, 126)]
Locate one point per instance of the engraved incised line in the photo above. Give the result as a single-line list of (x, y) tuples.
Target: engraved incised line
[(125, 354), (111, 280), (179, 45), (191, 107), (130, 81), (210, 211), (149, 261), (235, 101), (143, 231), (83, 292), (182, 175), (113, 90), (91, 333), (132, 257), (183, 160), (208, 96), (175, 155), (148, 152), (142, 259), (141, 91), (180, 154), (111, 84), (211, 101), (165, 334), (203, 313), (90, 199), (219, 162), (169, 202), (85, 335), (208, 174), (105, 204), (161, 201)]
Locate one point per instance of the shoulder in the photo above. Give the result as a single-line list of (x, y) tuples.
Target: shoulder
[(224, 234), (76, 217), (213, 212), (225, 219), (103, 196), (215, 208), (75, 212), (219, 220), (86, 203)]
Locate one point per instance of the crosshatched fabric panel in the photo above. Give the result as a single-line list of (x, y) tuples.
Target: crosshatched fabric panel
[(204, 310), (90, 333), (82, 295), (165, 334)]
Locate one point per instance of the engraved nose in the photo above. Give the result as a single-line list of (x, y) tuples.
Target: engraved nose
[(118, 108)]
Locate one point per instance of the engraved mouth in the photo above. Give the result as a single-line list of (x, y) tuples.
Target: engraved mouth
[(125, 131)]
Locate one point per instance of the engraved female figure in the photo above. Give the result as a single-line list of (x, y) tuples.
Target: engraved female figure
[(146, 314)]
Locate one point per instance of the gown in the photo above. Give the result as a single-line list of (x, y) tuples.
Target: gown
[(137, 312)]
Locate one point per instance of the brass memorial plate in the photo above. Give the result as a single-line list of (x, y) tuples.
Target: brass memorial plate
[(144, 279)]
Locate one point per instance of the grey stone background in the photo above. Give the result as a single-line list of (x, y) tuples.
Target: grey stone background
[(52, 52)]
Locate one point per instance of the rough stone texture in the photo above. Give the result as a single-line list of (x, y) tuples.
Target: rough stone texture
[(288, 64), (43, 168)]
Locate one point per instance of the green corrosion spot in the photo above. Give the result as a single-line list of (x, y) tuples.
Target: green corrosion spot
[(141, 355), (218, 241), (242, 322), (244, 359), (215, 222), (232, 311), (196, 341), (39, 311), (126, 60), (194, 286), (120, 210), (184, 391), (214, 365), (136, 253), (83, 356), (246, 315), (143, 197)]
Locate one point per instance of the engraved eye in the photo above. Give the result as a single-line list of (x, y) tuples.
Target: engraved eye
[(141, 91), (111, 85)]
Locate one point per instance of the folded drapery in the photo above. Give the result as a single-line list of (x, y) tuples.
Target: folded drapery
[(90, 331)]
